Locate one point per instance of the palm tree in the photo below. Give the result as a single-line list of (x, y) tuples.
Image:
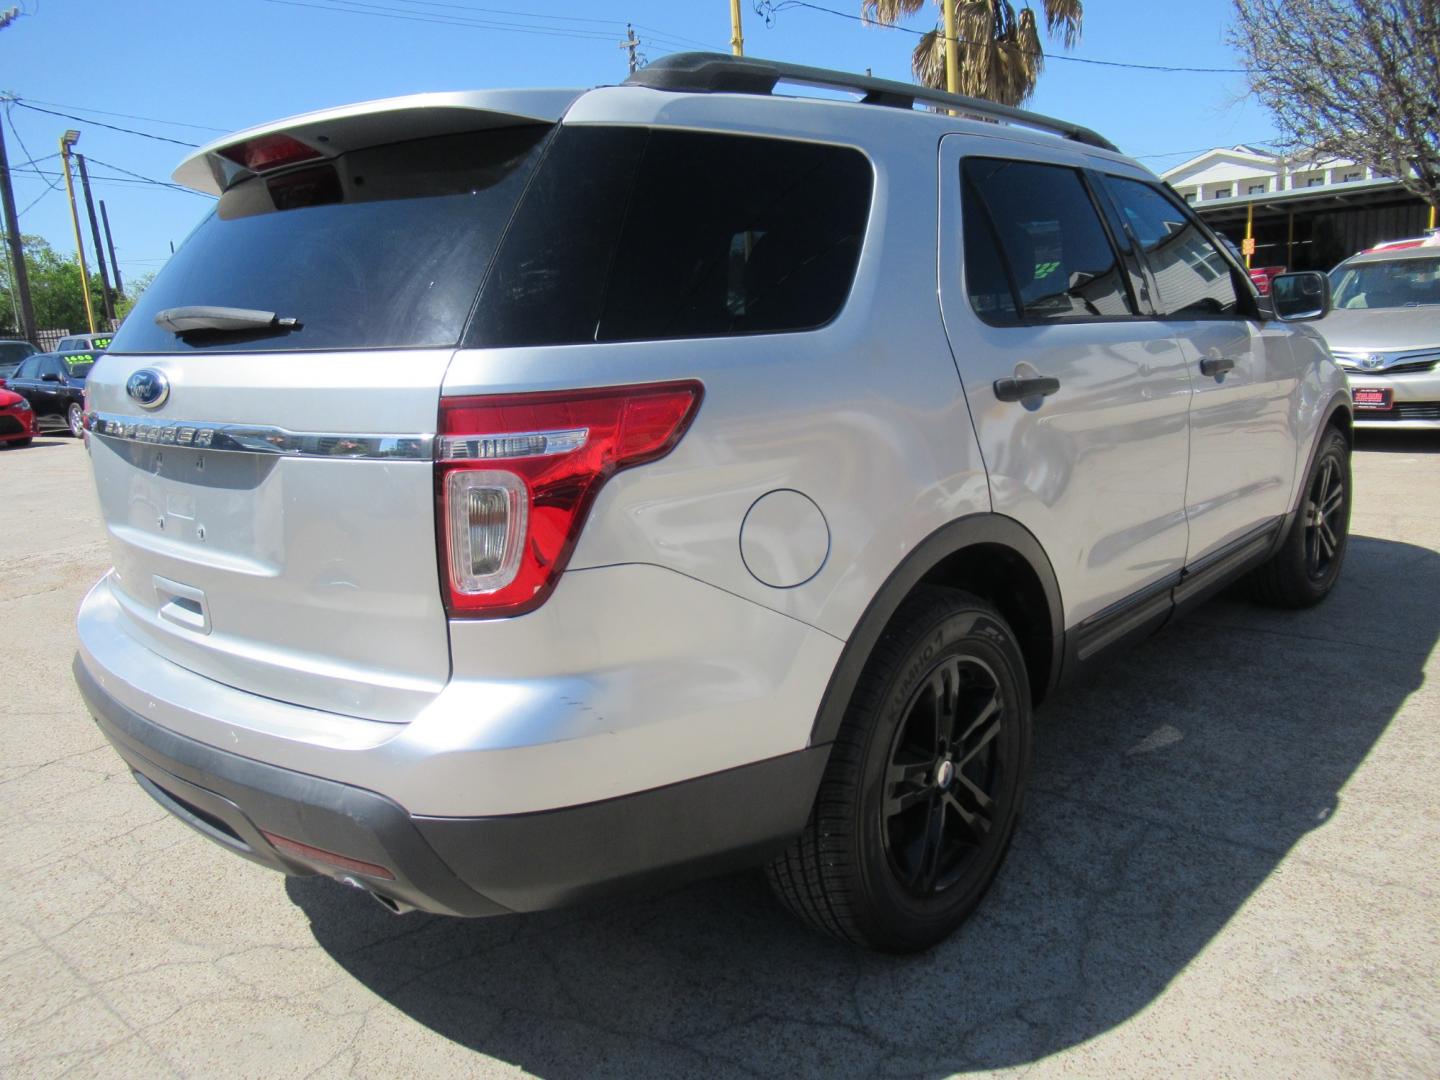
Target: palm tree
[(999, 53)]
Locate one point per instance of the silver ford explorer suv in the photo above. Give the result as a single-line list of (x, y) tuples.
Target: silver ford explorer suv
[(516, 496)]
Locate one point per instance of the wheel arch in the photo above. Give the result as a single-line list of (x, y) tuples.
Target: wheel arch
[(988, 554)]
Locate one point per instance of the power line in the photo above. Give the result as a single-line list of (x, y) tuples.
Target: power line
[(769, 10), (130, 116), (100, 123), (377, 11), (146, 179), (134, 178)]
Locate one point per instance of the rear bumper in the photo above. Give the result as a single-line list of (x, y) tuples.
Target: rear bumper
[(464, 866)]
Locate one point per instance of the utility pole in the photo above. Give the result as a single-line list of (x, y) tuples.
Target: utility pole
[(737, 39), (20, 276), (20, 279), (69, 139), (108, 297), (952, 50), (632, 43), (110, 243)]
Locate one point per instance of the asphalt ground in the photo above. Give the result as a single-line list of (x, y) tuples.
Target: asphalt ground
[(1229, 865)]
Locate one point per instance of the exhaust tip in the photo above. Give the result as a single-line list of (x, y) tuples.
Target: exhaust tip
[(390, 904)]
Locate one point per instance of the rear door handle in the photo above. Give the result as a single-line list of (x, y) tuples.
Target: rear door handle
[(1216, 365), (1012, 389)]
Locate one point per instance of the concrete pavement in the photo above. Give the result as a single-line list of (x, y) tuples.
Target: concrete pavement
[(1229, 866)]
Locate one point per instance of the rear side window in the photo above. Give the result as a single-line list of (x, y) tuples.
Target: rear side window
[(630, 234), (380, 248), (1193, 278), (1034, 229)]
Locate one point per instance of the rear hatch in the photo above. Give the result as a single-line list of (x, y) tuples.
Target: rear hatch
[(269, 489)]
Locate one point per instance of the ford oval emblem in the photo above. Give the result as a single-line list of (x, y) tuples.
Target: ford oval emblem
[(149, 387)]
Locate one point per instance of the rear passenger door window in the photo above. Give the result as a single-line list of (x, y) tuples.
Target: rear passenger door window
[(1035, 247), (1193, 278)]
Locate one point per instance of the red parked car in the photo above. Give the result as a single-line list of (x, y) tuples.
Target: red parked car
[(17, 420), (1263, 275)]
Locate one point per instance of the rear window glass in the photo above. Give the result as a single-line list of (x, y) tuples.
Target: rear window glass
[(380, 248), (631, 234), (78, 365)]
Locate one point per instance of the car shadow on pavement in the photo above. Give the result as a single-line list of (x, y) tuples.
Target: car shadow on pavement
[(1165, 791), (41, 442)]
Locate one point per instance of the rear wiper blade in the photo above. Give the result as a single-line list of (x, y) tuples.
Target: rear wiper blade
[(188, 320)]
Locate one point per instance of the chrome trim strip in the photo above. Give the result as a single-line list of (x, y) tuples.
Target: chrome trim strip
[(258, 439), (518, 444)]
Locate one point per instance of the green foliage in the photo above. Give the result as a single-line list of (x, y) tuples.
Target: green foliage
[(124, 304), (55, 292)]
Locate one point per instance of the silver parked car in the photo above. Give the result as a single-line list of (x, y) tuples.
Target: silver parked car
[(1385, 333), (520, 495)]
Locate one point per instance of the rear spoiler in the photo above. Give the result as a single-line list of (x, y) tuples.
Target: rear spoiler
[(331, 132)]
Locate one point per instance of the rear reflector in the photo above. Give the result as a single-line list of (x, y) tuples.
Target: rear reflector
[(269, 152), (330, 858), (516, 475)]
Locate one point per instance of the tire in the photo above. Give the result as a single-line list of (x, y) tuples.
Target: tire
[(75, 420), (22, 442), (1306, 567), (897, 851)]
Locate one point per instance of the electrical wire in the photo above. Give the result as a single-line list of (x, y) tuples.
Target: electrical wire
[(100, 123), (129, 116), (146, 179), (784, 4), (378, 11)]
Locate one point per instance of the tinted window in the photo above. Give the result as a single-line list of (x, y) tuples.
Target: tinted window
[(1059, 259), (28, 369), (381, 248), (631, 235), (12, 352), (1193, 278)]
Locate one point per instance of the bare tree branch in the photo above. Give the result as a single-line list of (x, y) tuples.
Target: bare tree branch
[(1357, 79)]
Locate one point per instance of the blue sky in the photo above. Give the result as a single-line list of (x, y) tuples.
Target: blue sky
[(219, 66)]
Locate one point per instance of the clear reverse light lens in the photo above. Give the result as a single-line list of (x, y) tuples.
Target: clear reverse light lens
[(486, 514)]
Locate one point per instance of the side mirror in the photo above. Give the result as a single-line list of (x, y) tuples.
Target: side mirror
[(49, 376), (1300, 297)]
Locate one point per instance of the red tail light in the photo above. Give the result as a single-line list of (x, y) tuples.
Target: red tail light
[(269, 152), (516, 474)]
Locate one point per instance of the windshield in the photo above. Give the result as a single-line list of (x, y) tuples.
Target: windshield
[(380, 248), (12, 352), (1394, 283)]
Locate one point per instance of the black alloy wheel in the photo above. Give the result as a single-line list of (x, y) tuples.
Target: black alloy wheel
[(1306, 565), (1325, 526), (945, 773), (924, 783)]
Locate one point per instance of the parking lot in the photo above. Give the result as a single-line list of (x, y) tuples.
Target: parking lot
[(1229, 865)]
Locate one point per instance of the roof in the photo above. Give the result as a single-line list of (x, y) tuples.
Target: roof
[(678, 78)]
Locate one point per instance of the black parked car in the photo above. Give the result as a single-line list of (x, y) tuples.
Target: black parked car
[(54, 384)]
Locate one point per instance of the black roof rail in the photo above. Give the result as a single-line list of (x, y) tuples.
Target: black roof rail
[(717, 73)]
